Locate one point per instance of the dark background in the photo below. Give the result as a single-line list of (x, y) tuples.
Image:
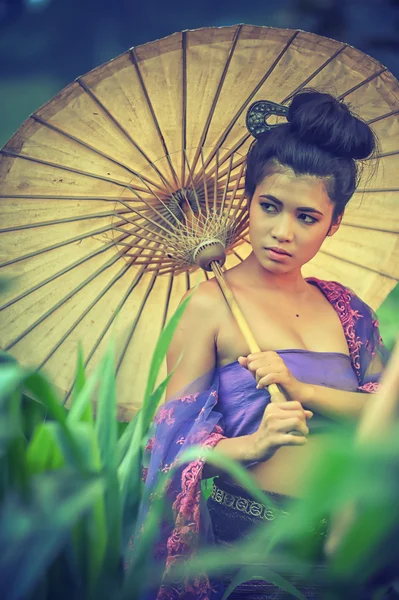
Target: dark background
[(46, 44)]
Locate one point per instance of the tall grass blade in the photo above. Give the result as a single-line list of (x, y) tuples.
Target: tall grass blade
[(262, 573), (31, 536)]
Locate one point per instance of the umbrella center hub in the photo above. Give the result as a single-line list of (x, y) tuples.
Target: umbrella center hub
[(183, 201)]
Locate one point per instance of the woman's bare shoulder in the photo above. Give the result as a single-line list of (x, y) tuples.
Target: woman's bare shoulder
[(205, 298)]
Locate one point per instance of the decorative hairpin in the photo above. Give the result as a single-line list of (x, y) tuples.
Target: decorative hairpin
[(257, 114)]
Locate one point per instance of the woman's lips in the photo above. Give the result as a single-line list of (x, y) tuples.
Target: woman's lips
[(277, 255)]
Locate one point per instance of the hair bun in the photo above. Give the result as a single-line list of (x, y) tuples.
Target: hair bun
[(322, 120)]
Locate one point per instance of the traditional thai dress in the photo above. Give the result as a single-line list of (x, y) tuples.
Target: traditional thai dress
[(232, 407)]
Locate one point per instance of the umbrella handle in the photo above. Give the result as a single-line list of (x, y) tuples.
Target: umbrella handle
[(275, 391)]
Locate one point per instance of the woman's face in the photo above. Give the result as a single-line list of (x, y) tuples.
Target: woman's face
[(290, 213)]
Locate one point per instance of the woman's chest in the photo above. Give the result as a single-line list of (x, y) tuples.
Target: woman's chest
[(278, 324)]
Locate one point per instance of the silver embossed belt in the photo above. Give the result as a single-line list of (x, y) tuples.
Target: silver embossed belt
[(245, 505)]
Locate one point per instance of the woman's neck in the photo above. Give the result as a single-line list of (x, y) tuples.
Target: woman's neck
[(257, 276)]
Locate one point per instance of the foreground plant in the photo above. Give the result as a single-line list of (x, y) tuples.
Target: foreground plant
[(71, 489)]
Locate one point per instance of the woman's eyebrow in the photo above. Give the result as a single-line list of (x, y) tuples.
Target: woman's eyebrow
[(303, 208)]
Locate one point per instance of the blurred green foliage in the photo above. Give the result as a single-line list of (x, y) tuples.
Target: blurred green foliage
[(70, 493)]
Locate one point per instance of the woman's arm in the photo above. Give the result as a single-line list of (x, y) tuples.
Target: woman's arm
[(194, 342), (334, 403), (338, 403)]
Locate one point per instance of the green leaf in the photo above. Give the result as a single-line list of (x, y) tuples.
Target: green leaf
[(158, 357), (32, 534), (40, 387), (80, 409), (33, 413), (12, 377), (80, 382), (126, 438), (44, 452), (263, 573), (106, 427)]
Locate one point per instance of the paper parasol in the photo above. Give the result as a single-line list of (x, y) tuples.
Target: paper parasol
[(97, 185)]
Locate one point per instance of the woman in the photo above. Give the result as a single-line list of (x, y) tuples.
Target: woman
[(319, 341)]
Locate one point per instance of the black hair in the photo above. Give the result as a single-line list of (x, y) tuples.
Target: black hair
[(322, 138)]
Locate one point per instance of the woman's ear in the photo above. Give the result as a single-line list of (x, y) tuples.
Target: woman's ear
[(335, 225)]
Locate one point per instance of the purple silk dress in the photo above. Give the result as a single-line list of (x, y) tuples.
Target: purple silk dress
[(231, 407)]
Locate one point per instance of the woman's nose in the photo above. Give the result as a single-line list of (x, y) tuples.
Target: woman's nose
[(283, 229)]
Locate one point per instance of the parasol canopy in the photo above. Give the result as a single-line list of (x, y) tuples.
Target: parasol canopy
[(104, 190)]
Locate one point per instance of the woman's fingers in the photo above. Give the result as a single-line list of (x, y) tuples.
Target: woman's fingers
[(290, 439), (295, 405), (294, 424)]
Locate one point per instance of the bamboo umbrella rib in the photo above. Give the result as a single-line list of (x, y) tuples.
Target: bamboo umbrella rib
[(86, 311), (377, 190), (210, 172), (140, 213), (204, 181), (362, 83), (315, 73), (152, 208), (107, 326), (58, 197), (187, 281), (165, 206), (184, 106), (241, 221), (193, 187), (65, 220), (73, 138), (134, 60), (154, 235), (156, 260), (352, 262), (136, 245), (385, 116), (234, 149), (134, 231), (217, 95), (168, 271), (233, 196), (70, 294), (240, 231), (135, 322), (237, 255), (70, 170), (236, 165), (215, 180), (77, 238), (51, 279), (167, 301), (227, 185), (383, 155), (228, 129), (242, 141), (367, 228), (151, 231), (93, 96)]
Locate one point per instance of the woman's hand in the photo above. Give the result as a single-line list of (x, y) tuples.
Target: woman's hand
[(276, 429), (269, 367)]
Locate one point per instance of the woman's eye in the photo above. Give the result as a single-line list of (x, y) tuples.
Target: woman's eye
[(307, 219), (268, 207)]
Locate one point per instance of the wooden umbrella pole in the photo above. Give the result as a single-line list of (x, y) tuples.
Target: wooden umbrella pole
[(276, 394)]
